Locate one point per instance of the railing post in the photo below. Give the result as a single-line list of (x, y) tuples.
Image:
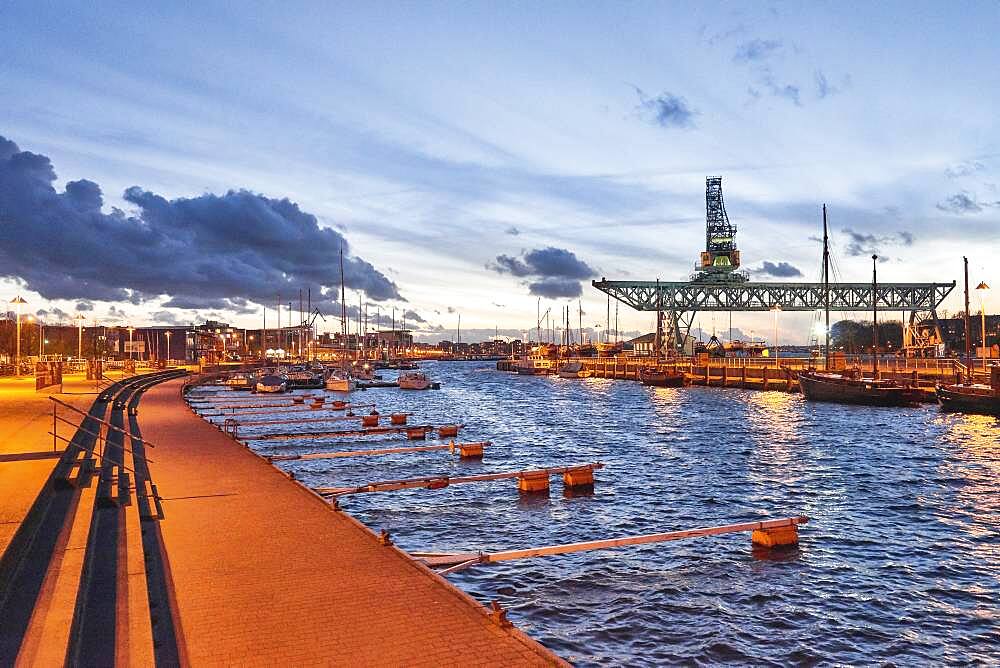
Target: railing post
[(55, 427)]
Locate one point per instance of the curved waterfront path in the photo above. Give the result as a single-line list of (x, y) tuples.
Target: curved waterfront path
[(265, 573)]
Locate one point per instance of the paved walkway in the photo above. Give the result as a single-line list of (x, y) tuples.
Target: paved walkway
[(26, 457), (264, 573)]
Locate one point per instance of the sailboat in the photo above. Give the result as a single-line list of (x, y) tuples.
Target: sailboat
[(340, 379), (970, 396), (849, 386), (656, 376)]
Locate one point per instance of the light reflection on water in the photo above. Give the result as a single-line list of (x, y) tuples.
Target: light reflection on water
[(899, 563)]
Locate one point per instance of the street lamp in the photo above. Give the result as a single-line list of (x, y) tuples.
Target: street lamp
[(130, 350), (168, 345), (79, 335), (776, 309), (981, 291), (19, 302)]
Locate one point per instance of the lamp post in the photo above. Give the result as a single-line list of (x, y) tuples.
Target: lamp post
[(79, 335), (130, 351), (168, 345), (776, 309), (981, 290), (19, 302)]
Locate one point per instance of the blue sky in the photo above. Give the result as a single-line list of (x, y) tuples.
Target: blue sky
[(437, 137)]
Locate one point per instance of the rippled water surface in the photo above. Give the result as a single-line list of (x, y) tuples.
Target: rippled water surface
[(900, 562)]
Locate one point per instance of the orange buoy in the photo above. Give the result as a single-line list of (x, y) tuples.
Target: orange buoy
[(533, 482), (777, 537), (398, 418), (470, 451), (298, 400), (579, 477), (448, 430), (417, 434), (369, 421)]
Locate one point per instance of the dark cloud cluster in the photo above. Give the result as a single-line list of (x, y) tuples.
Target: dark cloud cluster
[(552, 272), (778, 270), (964, 202), (665, 110), (211, 251), (868, 244)]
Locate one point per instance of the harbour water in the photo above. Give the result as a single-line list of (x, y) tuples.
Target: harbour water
[(900, 562)]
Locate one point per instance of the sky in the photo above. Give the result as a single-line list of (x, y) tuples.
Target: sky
[(173, 162)]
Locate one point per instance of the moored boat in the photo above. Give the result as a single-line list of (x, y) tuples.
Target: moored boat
[(340, 381), (534, 365), (972, 397), (661, 378), (413, 380), (238, 381), (272, 383), (851, 388), (574, 370)]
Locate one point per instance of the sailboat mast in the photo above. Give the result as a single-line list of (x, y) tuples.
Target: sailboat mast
[(968, 329), (874, 316), (826, 292), (343, 306), (659, 321)]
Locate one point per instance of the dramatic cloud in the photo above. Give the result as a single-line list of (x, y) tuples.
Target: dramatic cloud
[(779, 270), (555, 288), (868, 244), (665, 110), (967, 168), (413, 316), (756, 50), (168, 318), (211, 251), (965, 202), (557, 272), (84, 306)]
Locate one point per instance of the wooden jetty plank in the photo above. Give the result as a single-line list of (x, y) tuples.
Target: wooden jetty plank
[(472, 558), (335, 434), (382, 451), (290, 408), (439, 482), (332, 418)]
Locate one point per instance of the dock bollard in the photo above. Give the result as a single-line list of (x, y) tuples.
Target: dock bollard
[(533, 482), (777, 537), (579, 478), (398, 418)]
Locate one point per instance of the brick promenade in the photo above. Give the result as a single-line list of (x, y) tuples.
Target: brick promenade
[(264, 573), (26, 457)]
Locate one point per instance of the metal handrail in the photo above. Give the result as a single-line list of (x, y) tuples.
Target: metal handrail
[(104, 422), (79, 427)]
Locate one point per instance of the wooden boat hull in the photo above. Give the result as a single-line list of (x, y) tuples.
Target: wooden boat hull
[(850, 391), (953, 399), (662, 379)]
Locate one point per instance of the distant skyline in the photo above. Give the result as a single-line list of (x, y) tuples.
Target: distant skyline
[(167, 164)]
